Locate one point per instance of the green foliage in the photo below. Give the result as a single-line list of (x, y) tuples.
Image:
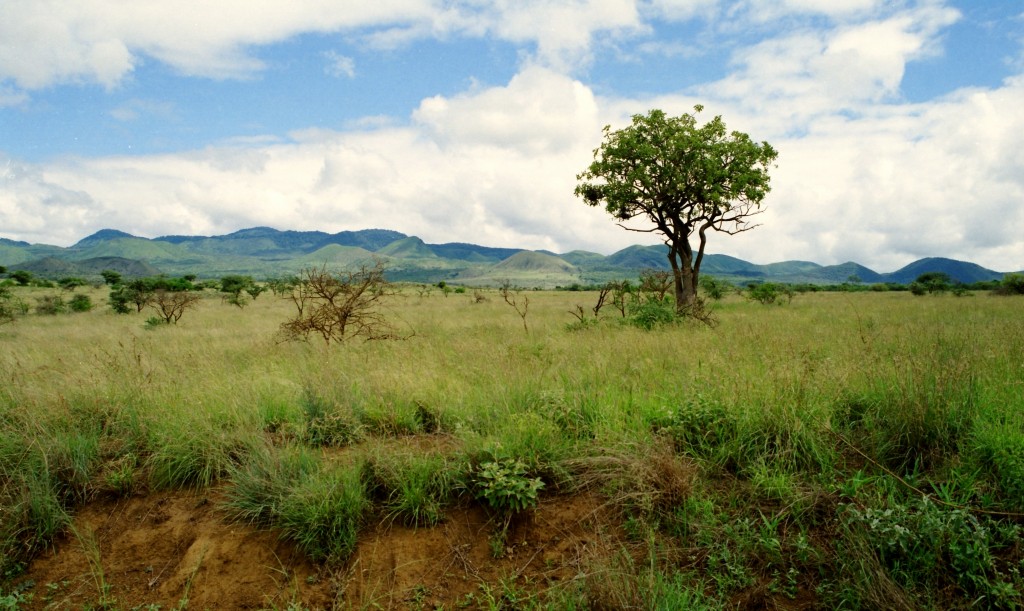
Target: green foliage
[(649, 314), (505, 486), (71, 283), (931, 283), (700, 427), (235, 285), (22, 277), (192, 453), (80, 303), (281, 286), (684, 178), (998, 455), (927, 546), (714, 288), (1012, 284), (110, 277), (143, 292), (120, 300), (914, 415), (767, 293), (728, 477)]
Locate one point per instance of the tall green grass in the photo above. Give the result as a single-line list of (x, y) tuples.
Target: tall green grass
[(755, 443)]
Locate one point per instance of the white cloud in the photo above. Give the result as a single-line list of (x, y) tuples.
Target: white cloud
[(339, 65), (807, 72), (862, 174), (539, 111), (45, 42), (497, 167), (502, 185)]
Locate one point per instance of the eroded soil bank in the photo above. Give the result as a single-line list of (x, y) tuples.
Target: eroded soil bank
[(170, 548)]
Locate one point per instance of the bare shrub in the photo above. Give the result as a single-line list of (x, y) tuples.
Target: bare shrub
[(656, 282), (339, 306), (520, 303)]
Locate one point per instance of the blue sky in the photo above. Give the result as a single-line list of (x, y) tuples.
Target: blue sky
[(897, 122)]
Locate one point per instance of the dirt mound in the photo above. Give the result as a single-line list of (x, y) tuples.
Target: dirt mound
[(166, 548)]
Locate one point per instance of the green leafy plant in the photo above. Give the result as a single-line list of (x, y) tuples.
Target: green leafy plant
[(80, 303), (649, 314), (505, 486), (768, 293)]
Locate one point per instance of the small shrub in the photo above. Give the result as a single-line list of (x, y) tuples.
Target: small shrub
[(714, 288), (768, 293), (505, 486), (935, 548), (51, 305), (10, 306), (1012, 284), (650, 314), (931, 283), (80, 303)]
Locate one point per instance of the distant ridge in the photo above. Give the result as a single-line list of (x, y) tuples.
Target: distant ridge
[(52, 267), (961, 271), (265, 252), (103, 235)]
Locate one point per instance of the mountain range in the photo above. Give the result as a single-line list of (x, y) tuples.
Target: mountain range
[(263, 252)]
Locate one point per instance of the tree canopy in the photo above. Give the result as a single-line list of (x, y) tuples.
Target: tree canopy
[(684, 178)]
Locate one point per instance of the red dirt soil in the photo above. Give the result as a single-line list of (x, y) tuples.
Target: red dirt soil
[(165, 548)]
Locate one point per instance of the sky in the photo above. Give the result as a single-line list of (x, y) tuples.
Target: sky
[(898, 123)]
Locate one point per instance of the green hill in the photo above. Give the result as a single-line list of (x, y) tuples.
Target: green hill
[(472, 252), (531, 261), (103, 235), (639, 257), (335, 256), (140, 249), (90, 269), (528, 269), (408, 248), (960, 271)]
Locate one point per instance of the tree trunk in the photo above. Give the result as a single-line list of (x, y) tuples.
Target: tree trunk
[(685, 279)]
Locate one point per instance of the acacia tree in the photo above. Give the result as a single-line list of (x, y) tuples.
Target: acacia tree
[(687, 179), (339, 306), (171, 304)]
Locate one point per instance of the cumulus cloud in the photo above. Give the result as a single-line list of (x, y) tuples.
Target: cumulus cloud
[(841, 68), (539, 111), (46, 42), (862, 174), (500, 187)]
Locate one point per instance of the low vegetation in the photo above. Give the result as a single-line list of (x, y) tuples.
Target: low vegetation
[(849, 450)]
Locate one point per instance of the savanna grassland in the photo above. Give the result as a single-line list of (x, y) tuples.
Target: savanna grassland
[(845, 450)]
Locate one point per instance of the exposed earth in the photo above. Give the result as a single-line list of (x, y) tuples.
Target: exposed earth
[(170, 548)]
